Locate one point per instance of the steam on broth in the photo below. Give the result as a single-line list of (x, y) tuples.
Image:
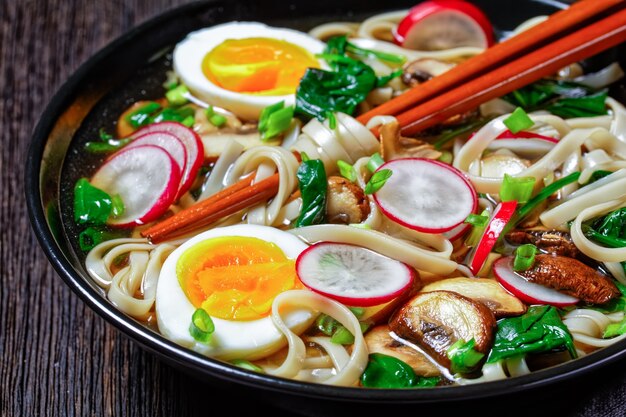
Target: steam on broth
[(252, 218)]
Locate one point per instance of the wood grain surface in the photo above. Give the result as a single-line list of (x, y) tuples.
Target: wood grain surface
[(57, 357)]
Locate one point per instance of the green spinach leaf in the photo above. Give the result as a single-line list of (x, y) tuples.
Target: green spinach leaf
[(313, 185), (539, 330)]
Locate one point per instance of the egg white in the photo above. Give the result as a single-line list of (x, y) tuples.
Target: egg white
[(190, 52), (231, 339)]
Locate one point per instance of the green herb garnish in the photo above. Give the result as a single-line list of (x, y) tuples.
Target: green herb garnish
[(313, 185), (377, 181), (201, 326)]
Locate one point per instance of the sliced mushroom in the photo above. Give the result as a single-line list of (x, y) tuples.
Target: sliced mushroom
[(436, 320), (572, 277), (394, 146), (423, 69), (346, 202), (379, 340), (485, 290), (553, 242)]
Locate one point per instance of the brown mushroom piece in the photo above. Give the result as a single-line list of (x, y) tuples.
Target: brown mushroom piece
[(394, 146), (379, 340), (345, 202), (485, 290), (436, 320), (553, 242), (571, 277), (423, 69)]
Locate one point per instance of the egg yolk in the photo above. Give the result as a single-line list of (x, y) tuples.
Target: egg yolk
[(261, 66), (235, 278)]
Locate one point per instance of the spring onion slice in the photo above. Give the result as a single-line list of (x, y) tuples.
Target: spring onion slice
[(518, 121), (479, 220), (524, 257), (377, 181), (277, 122), (242, 363), (545, 193), (346, 170), (201, 326), (265, 114), (517, 188), (177, 95), (463, 357), (375, 162)]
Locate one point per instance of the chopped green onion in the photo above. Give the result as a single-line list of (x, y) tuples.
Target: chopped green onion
[(141, 116), (346, 170), (277, 122), (326, 324), (343, 336), (518, 121), (463, 357), (382, 56), (477, 230), (174, 114), (117, 206), (377, 181), (332, 120), (111, 145), (375, 162), (104, 135), (478, 220), (242, 363), (176, 96), (361, 226), (93, 236), (304, 157), (188, 121), (446, 157), (524, 257), (215, 119), (201, 326), (517, 188), (265, 114), (91, 204), (615, 329), (357, 311), (544, 194)]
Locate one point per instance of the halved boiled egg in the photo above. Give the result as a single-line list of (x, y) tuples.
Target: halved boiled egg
[(233, 273), (245, 66)]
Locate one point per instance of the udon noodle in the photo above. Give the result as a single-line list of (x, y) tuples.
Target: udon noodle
[(129, 269)]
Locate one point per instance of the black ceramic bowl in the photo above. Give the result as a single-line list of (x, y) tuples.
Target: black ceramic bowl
[(133, 67)]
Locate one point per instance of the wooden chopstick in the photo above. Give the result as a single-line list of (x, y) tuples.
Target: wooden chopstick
[(230, 200), (581, 44), (516, 46)]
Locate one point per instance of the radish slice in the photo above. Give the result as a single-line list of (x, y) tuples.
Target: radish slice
[(526, 291), (501, 216), (145, 177), (168, 142), (353, 275), (191, 141), (426, 195), (507, 134), (444, 24)]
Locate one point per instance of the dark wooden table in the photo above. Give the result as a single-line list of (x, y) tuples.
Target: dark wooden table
[(56, 356)]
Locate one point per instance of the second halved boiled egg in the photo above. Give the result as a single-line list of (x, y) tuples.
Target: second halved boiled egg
[(233, 273), (245, 66)]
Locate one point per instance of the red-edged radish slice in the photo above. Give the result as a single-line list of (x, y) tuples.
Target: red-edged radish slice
[(353, 275), (501, 216), (426, 195), (191, 141), (167, 141), (526, 291), (145, 177), (507, 134), (444, 24)]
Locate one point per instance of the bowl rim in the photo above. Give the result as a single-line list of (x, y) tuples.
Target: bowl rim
[(201, 365)]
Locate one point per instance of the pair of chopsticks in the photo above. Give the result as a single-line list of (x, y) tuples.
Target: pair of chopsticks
[(579, 32)]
